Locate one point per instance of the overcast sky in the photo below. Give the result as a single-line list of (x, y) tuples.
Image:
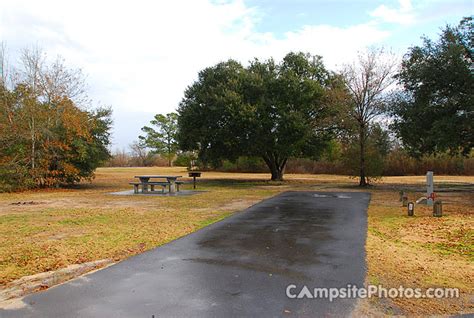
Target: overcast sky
[(139, 56)]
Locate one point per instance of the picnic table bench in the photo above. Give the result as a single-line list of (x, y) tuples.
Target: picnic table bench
[(137, 184), (171, 182)]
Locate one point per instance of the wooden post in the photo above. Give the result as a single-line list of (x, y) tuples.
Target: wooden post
[(402, 193), (438, 208), (405, 200), (411, 208), (429, 188)]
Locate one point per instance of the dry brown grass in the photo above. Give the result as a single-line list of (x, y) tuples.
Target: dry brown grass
[(69, 226), (83, 224), (421, 252)]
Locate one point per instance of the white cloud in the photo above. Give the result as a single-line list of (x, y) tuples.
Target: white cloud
[(336, 45), (403, 15), (141, 55)]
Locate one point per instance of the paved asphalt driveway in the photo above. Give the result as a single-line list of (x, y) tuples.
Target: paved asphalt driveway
[(239, 267)]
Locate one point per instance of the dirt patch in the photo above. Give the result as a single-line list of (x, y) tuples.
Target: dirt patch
[(92, 201), (438, 231), (237, 205), (379, 308), (26, 203), (274, 187), (33, 283)]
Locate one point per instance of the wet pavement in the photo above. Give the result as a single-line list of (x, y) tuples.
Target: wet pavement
[(239, 267)]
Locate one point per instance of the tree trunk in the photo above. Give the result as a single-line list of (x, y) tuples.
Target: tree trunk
[(277, 175), (33, 143), (276, 166), (362, 176)]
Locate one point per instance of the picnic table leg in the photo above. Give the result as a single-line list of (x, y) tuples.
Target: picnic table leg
[(135, 188), (172, 185), (144, 182), (152, 186)]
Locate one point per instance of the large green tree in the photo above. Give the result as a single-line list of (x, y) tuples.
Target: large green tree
[(161, 137), (274, 111), (435, 112)]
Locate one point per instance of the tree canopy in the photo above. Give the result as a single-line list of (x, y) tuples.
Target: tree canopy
[(271, 110), (161, 138), (435, 111)]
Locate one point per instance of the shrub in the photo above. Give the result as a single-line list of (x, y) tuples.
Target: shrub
[(244, 164), (184, 159), (14, 177)]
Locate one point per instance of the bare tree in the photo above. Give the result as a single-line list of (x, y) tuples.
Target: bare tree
[(367, 81), (50, 84), (9, 77), (32, 61), (8, 106), (139, 152), (5, 104), (57, 81), (3, 64), (53, 81)]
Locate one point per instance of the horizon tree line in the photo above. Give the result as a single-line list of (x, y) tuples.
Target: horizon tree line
[(296, 108), (272, 110)]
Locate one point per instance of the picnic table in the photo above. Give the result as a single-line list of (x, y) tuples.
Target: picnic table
[(171, 181)]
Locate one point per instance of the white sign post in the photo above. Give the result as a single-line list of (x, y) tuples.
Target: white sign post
[(429, 188)]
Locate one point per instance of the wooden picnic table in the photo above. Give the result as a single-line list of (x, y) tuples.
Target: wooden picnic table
[(144, 180)]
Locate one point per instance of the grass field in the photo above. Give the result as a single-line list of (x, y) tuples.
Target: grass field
[(47, 230)]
